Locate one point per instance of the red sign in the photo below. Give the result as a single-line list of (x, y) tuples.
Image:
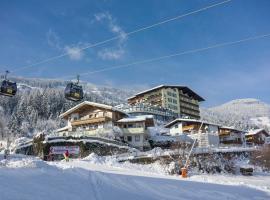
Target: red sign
[(62, 149)]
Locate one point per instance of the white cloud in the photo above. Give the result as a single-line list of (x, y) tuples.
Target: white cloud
[(119, 51), (101, 16), (74, 53)]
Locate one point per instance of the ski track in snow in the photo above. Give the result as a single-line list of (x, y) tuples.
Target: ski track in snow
[(28, 178)]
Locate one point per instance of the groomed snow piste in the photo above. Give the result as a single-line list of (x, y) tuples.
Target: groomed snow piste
[(98, 178)]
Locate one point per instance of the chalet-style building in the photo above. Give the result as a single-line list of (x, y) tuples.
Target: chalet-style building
[(181, 100), (90, 118), (257, 137), (94, 119), (135, 130), (206, 133), (231, 136)]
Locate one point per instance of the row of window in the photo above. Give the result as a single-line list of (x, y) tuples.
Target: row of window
[(87, 127), (90, 116), (172, 94), (188, 100), (190, 112), (172, 100), (135, 125), (137, 138), (173, 107), (155, 95), (189, 106)]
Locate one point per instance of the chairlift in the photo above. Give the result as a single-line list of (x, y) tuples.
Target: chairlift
[(8, 88), (74, 91)]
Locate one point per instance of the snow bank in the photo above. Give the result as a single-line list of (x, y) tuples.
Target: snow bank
[(99, 178), (20, 161), (111, 161)]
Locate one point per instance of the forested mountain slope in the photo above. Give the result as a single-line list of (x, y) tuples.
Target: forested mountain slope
[(39, 102)]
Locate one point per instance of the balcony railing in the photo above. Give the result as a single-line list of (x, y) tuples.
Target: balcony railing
[(89, 121), (133, 130), (149, 109)]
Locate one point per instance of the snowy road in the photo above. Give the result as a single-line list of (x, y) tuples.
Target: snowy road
[(31, 179)]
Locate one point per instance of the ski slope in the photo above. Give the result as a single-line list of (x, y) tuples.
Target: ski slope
[(28, 178)]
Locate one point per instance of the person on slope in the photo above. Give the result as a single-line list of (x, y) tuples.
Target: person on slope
[(66, 156)]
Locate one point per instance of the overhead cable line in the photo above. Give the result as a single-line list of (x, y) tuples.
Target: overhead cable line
[(126, 34), (174, 55)]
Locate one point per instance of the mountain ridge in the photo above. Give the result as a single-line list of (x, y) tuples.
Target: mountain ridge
[(240, 113)]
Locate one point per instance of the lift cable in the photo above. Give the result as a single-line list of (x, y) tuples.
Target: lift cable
[(173, 55), (126, 34)]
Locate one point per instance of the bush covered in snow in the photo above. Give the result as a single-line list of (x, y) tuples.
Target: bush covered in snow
[(261, 158)]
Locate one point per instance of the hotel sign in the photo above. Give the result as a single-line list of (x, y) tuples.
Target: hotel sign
[(62, 149)]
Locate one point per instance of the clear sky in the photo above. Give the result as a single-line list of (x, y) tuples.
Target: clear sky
[(31, 31)]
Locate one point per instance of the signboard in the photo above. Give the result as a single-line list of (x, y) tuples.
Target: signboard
[(62, 149)]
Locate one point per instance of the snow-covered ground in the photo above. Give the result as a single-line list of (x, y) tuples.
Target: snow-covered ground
[(98, 178)]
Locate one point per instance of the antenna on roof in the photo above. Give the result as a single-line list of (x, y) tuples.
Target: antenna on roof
[(78, 79), (5, 76)]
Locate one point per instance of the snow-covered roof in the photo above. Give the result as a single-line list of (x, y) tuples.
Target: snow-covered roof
[(231, 128), (62, 129), (256, 131), (104, 106), (136, 118), (188, 120), (184, 88)]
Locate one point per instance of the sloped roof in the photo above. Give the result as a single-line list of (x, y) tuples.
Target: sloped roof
[(181, 87), (89, 103), (231, 128), (256, 131), (188, 120), (62, 129)]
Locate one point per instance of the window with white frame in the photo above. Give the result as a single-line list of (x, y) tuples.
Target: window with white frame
[(137, 138)]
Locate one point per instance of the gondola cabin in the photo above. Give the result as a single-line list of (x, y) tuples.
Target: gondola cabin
[(8, 88), (74, 92)]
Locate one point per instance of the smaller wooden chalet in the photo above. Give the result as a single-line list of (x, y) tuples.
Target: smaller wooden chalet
[(231, 136), (257, 137), (205, 132), (135, 130), (89, 118)]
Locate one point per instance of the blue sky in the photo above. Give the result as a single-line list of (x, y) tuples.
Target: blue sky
[(31, 31)]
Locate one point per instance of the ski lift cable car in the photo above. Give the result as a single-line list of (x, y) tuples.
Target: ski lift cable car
[(74, 91), (8, 88)]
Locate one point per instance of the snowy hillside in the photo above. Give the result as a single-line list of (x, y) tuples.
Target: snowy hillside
[(242, 113), (244, 107), (28, 178), (39, 102), (104, 93)]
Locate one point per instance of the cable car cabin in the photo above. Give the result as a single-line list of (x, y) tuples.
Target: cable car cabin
[(74, 92), (8, 88)]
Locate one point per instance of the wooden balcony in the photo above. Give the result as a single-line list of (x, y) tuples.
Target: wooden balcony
[(133, 130), (90, 121)]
